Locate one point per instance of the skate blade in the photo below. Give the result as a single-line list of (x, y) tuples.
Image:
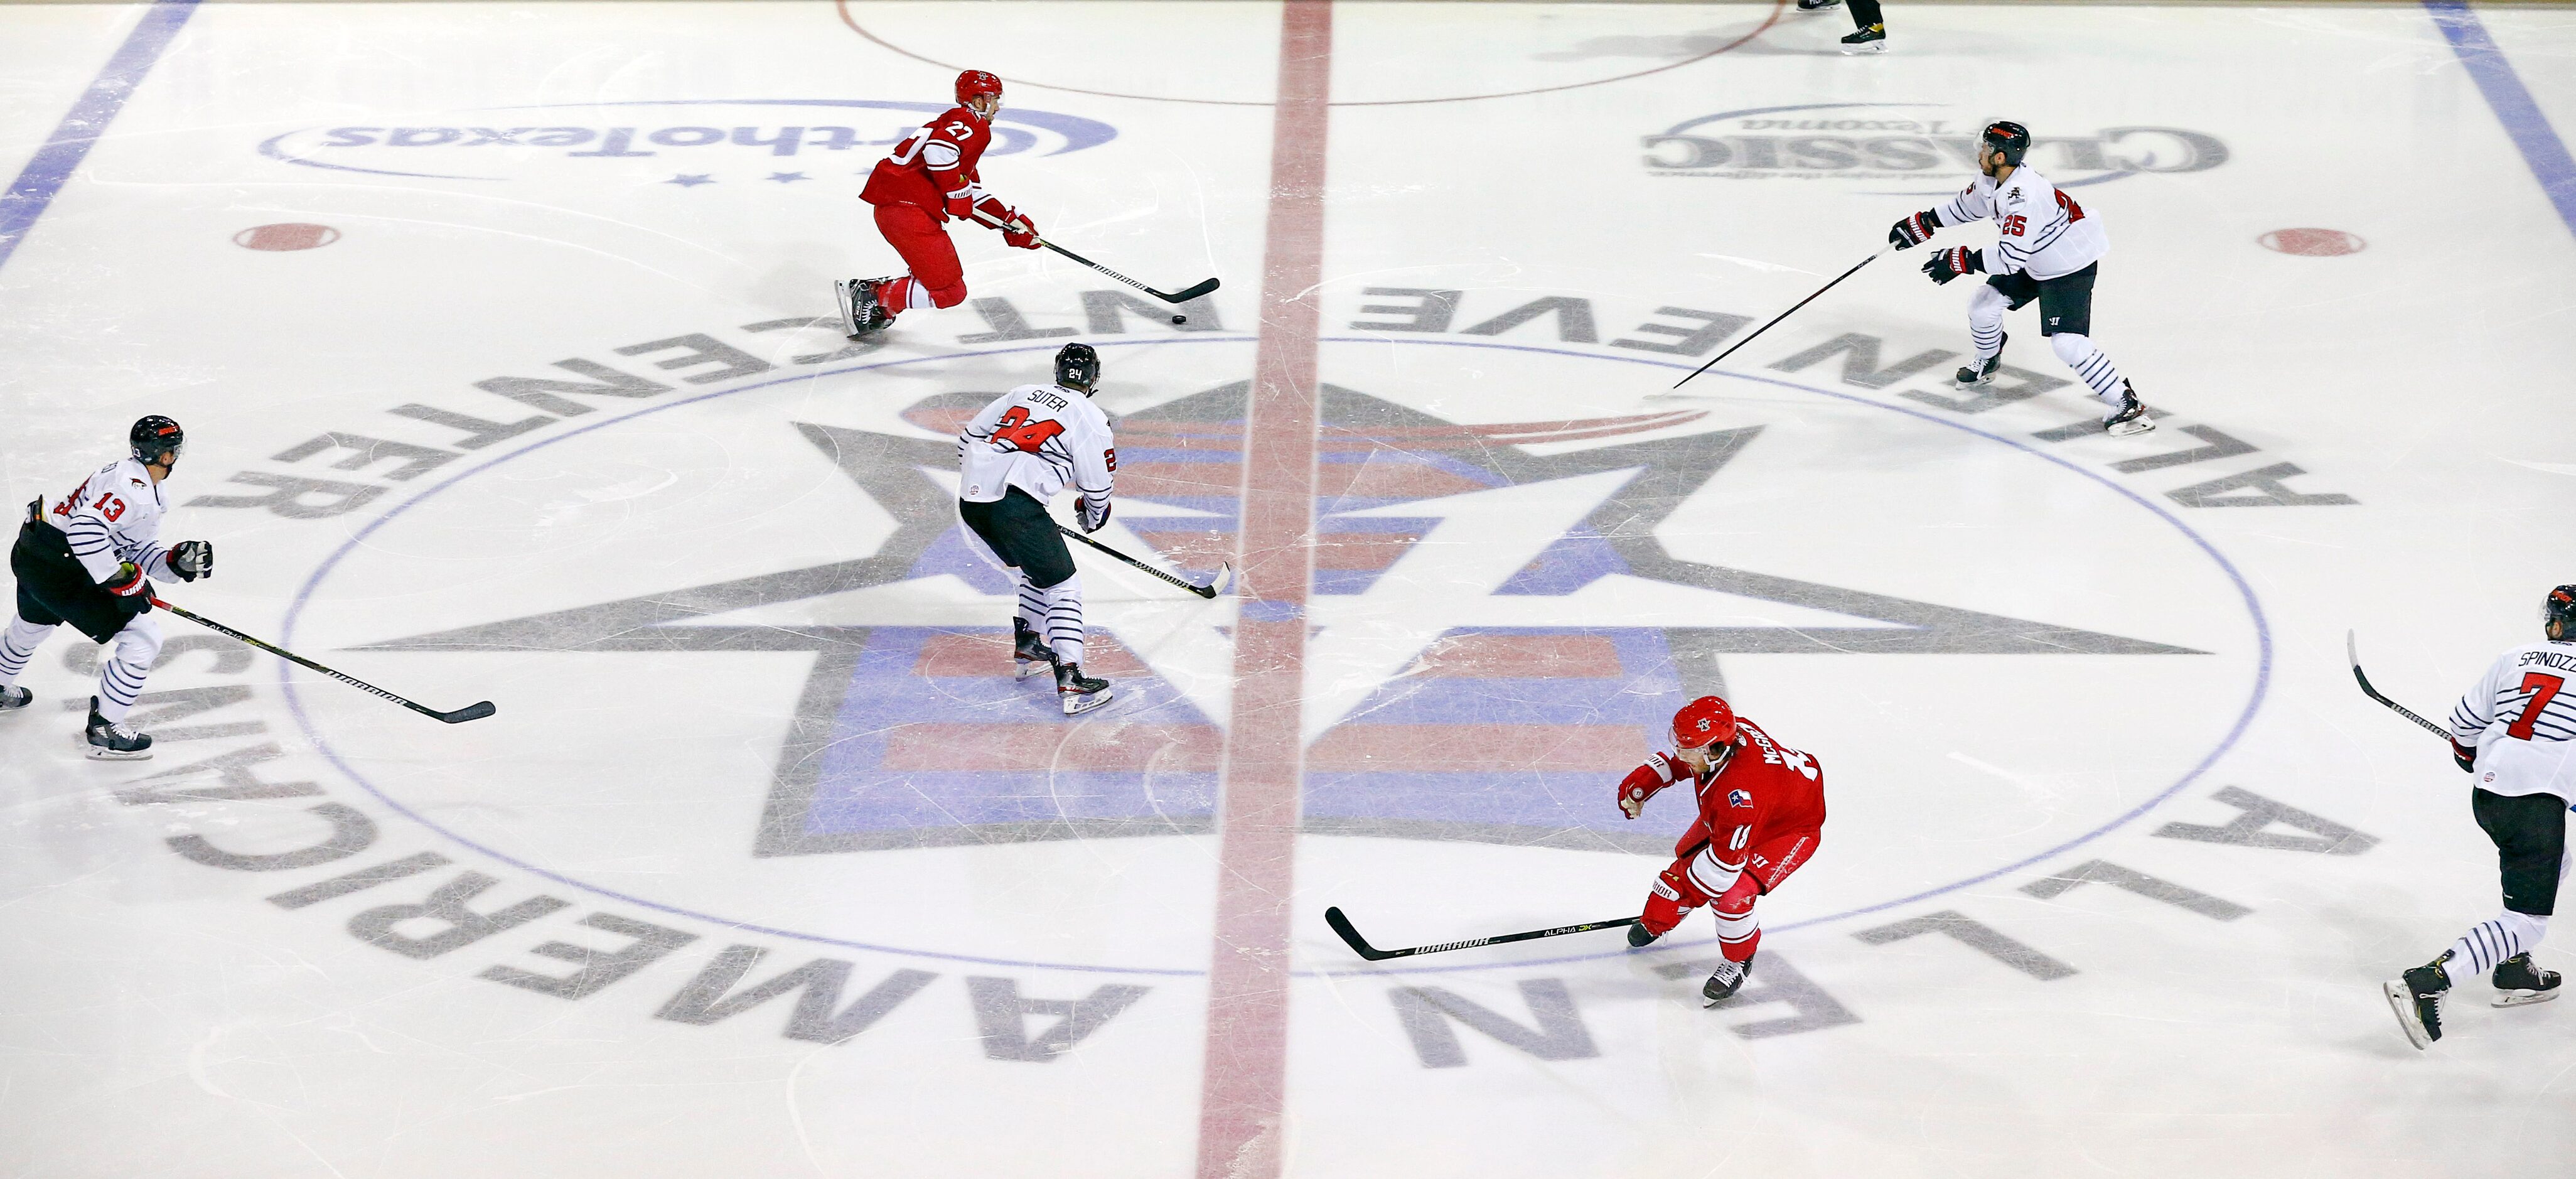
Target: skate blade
[(98, 754), (1030, 667), (1076, 705), (2402, 1001), (1871, 47), (2137, 425), (849, 308), (2524, 998)]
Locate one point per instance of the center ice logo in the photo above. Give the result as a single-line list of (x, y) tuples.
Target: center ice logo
[(504, 143), (1905, 141), (1499, 633)]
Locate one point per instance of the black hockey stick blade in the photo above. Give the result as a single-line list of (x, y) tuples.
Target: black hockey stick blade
[(2352, 653), (1185, 294), (1350, 935), (471, 712)]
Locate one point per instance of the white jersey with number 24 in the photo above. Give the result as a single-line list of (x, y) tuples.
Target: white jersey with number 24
[(1040, 439)]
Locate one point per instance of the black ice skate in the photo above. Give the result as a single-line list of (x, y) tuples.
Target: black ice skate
[(2417, 996), (1983, 372), (1870, 40), (1818, 5), (1029, 653), (117, 741), (1078, 692), (1727, 979), (14, 697), (2517, 982), (861, 313), (2132, 416), (1640, 937)]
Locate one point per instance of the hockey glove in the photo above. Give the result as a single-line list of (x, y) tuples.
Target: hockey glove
[(127, 581), (1915, 230), (1642, 783), (1673, 896), (1025, 235), (1094, 512), (1948, 264), (2466, 756), (192, 559)]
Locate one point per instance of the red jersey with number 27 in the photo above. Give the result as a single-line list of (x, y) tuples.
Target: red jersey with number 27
[(934, 164)]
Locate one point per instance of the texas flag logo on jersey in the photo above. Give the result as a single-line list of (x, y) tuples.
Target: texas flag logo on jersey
[(1739, 798)]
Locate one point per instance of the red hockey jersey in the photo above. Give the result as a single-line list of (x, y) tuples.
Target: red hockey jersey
[(933, 165)]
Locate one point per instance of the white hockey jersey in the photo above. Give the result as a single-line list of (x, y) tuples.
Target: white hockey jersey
[(2521, 716), (1040, 439), (112, 517), (2038, 229)]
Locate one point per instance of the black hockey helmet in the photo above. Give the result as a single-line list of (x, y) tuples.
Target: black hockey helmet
[(154, 436), (2010, 138), (1077, 366), (2558, 614)]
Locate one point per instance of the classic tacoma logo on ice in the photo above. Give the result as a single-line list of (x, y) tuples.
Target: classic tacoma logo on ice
[(1905, 141), (506, 143), (1499, 632)]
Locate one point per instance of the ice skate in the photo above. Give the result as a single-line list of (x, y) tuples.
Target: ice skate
[(2517, 982), (1983, 372), (1029, 652), (1078, 692), (1640, 937), (2131, 417), (1727, 979), (861, 313), (1818, 5), (2417, 996), (13, 698), (115, 741), (1870, 40)]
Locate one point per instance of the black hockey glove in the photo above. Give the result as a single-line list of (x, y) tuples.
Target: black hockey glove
[(1094, 514), (2466, 756), (192, 559), (1948, 264), (1915, 230)]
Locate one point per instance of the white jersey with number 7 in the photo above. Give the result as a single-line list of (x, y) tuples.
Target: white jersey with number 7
[(2522, 719), (1040, 439)]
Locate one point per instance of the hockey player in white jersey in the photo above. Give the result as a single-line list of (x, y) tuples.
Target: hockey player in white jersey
[(86, 559), (2046, 248), (1012, 460), (2515, 732)]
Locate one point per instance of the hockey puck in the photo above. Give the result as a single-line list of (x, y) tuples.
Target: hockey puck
[(1180, 319)]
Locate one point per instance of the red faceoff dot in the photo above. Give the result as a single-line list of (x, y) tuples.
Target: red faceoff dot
[(2315, 243), (300, 235)]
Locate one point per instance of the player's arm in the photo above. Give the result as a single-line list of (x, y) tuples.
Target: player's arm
[(944, 154), (2473, 714), (1644, 782), (1095, 474)]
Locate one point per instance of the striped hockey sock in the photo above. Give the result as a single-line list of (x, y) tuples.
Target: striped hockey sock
[(120, 677), (18, 647), (1063, 625), (1032, 602), (2488, 942), (2099, 374)]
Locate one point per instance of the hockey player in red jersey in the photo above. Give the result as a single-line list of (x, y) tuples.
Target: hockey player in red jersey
[(928, 178), (1761, 815)]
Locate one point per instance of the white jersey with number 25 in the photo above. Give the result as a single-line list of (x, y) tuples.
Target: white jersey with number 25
[(1040, 439), (2521, 716), (2037, 228)]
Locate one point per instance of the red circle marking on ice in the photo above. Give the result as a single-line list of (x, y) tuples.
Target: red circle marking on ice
[(286, 235), (2314, 243)]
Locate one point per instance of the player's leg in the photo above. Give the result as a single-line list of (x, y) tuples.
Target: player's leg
[(2066, 318), (2530, 834), (1986, 307), (935, 277), (1739, 929), (120, 683), (42, 576), (17, 646), (1869, 27), (1041, 553), (1676, 891), (1029, 651)]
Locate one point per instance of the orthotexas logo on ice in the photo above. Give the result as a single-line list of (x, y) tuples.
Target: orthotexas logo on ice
[(503, 143), (1858, 141)]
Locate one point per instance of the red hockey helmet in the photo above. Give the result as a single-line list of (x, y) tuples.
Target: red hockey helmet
[(1704, 723), (974, 84)]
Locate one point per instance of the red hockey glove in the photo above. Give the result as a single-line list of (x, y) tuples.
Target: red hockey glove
[(961, 204), (1672, 896), (1948, 264), (1026, 237), (1087, 506), (1914, 231), (1642, 783), (127, 581), (2466, 755)]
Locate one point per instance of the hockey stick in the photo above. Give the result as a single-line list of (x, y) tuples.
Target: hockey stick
[(1183, 295), (474, 711), (1730, 351), (1224, 571), (2352, 651), (1359, 945)]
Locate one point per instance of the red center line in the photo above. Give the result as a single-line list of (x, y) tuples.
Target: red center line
[(1244, 1089)]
